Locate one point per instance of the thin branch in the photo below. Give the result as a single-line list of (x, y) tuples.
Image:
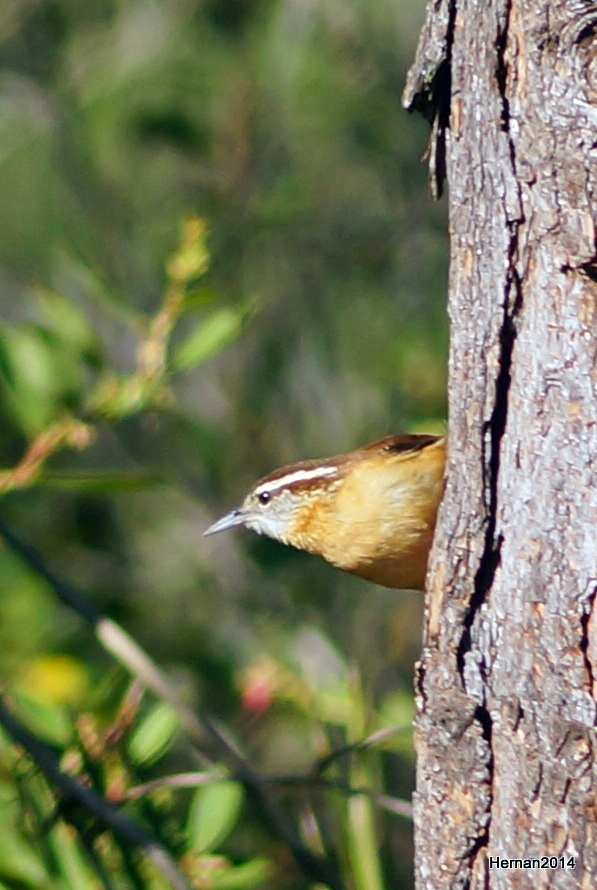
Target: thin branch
[(354, 747), (180, 780), (67, 432), (123, 827), (395, 805)]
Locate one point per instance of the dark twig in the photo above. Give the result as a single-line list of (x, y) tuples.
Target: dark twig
[(66, 592)]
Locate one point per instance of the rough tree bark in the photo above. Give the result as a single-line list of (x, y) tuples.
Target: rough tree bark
[(507, 683)]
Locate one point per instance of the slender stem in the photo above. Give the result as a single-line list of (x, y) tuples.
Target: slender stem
[(363, 843)]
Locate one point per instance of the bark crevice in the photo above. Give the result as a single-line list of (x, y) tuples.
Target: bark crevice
[(494, 429), (493, 433), (585, 639)]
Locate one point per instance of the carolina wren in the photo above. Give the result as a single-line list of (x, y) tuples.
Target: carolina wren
[(371, 511)]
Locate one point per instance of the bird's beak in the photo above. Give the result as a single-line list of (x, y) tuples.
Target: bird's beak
[(235, 517)]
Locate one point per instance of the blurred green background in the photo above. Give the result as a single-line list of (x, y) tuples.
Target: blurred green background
[(318, 326)]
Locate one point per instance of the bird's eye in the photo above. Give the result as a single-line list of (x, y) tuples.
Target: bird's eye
[(264, 497)]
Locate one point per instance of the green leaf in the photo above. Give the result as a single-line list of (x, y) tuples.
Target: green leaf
[(243, 877), (72, 865), (6, 365), (198, 297), (208, 338), (213, 813), (29, 373), (19, 862), (49, 721), (153, 735), (67, 320)]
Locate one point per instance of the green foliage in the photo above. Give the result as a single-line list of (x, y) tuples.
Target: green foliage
[(110, 757)]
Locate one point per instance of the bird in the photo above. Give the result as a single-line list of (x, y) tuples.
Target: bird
[(371, 511)]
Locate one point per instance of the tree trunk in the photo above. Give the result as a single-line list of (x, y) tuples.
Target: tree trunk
[(506, 686)]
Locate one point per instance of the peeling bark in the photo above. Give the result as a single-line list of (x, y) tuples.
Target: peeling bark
[(506, 687)]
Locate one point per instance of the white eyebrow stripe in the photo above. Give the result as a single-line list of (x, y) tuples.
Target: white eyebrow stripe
[(295, 476)]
